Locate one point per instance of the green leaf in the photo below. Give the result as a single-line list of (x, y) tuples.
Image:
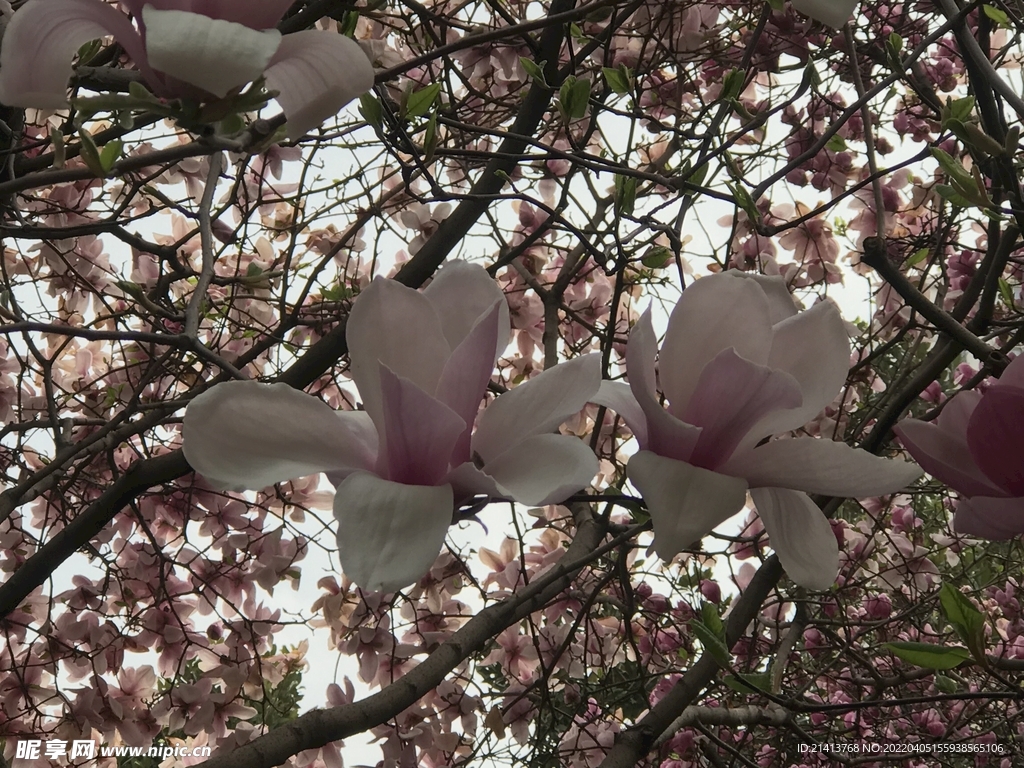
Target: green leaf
[(617, 79), (712, 643), (945, 684), (732, 85), (952, 196), (967, 620), (574, 95), (90, 153), (1006, 292), (371, 110), (420, 101), (625, 194), (430, 138), (952, 167), (837, 143), (997, 15), (776, 5), (534, 70), (657, 257), (109, 155), (746, 203), (752, 682), (895, 42), (929, 656), (919, 255), (958, 109), (709, 616)]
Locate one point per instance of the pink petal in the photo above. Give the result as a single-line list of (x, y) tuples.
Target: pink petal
[(801, 536), (464, 380), (1013, 376), (685, 502), (995, 435), (468, 481), (262, 14), (618, 397), (421, 432), (996, 519), (956, 415), (42, 38), (544, 469), (462, 293), (214, 55), (814, 348), (713, 314), (540, 405), (732, 396), (780, 301), (396, 326), (835, 13), (389, 534), (665, 435), (944, 455), (821, 466), (316, 73), (244, 435)]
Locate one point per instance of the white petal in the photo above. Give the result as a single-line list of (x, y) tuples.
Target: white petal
[(462, 293), (780, 300), (211, 54), (245, 435), (814, 348), (685, 502), (800, 534), (396, 326), (544, 469), (713, 314), (538, 406), (316, 73), (617, 396), (821, 466), (467, 481), (835, 13), (389, 534)]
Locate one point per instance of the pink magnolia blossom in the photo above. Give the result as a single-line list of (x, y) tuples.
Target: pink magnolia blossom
[(975, 447), (193, 48), (738, 365), (421, 361), (835, 13)]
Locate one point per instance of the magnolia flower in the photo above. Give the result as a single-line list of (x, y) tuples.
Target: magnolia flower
[(197, 48), (738, 365), (835, 13), (976, 447), (422, 362)]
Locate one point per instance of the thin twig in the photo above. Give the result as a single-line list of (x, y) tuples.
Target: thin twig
[(206, 239)]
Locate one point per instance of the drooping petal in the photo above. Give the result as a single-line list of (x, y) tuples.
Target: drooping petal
[(396, 326), (780, 301), (618, 397), (42, 38), (389, 534), (814, 348), (420, 432), (464, 380), (995, 435), (316, 73), (462, 293), (544, 469), (821, 466), (666, 435), (835, 13), (537, 406), (732, 396), (800, 534), (713, 314), (945, 456), (685, 502), (243, 435), (215, 55), (996, 519)]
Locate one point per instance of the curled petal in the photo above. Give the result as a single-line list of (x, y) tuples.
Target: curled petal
[(686, 502), (43, 37), (800, 534), (538, 406), (242, 435), (215, 55), (617, 396), (821, 466), (944, 455), (713, 314), (468, 481), (665, 434), (996, 519), (421, 432), (544, 469), (996, 438), (389, 534), (316, 73), (396, 326), (462, 293), (263, 14), (835, 13)]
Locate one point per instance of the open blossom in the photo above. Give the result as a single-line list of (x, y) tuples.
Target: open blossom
[(421, 361), (835, 13), (186, 48), (738, 365), (976, 447)]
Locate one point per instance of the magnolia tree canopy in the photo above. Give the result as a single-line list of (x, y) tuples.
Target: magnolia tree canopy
[(619, 383)]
